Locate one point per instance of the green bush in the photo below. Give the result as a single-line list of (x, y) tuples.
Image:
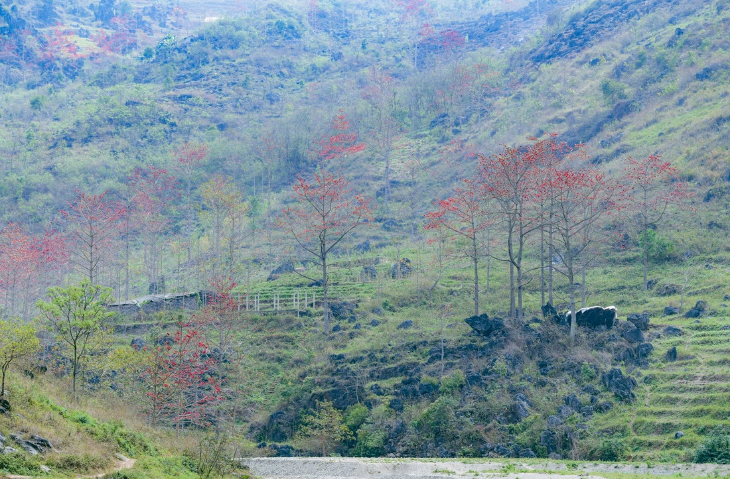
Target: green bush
[(613, 450), (355, 416), (715, 448), (18, 463), (78, 464), (454, 382)]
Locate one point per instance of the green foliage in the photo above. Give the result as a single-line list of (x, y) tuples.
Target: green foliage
[(37, 102), (587, 374), (613, 90), (17, 339), (324, 429), (213, 458), (77, 315), (454, 382), (660, 248), (609, 450), (18, 463), (76, 463), (439, 419), (715, 448), (355, 416)]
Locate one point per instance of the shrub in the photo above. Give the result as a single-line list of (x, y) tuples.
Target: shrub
[(609, 450), (454, 382), (715, 448), (18, 463), (355, 416)]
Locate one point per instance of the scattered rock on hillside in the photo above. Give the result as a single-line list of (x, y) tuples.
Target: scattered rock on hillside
[(407, 324), (633, 334), (484, 326), (699, 309), (621, 386), (282, 269), (401, 269), (672, 331), (669, 289), (337, 328), (342, 309), (549, 313), (554, 421), (644, 350), (25, 445), (573, 401), (671, 310), (374, 323), (595, 317), (549, 440), (604, 406), (672, 354), (678, 435), (640, 320), (137, 343), (368, 272), (566, 411)]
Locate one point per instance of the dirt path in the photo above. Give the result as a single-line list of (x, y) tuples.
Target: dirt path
[(122, 463), (355, 468)]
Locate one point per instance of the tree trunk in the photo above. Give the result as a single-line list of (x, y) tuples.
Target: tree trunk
[(583, 288), (325, 299), (74, 369), (542, 266), (2, 391), (646, 254), (476, 276), (571, 289), (387, 180), (550, 261)]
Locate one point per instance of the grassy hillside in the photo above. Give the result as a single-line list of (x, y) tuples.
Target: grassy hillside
[(402, 368)]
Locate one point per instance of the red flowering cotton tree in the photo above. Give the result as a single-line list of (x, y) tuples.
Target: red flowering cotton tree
[(513, 179), (580, 200), (92, 223), (463, 216), (326, 211), (651, 185)]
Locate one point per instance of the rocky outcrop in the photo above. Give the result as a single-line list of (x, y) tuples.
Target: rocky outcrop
[(640, 320), (484, 326), (621, 386)]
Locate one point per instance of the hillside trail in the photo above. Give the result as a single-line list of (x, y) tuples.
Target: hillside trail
[(122, 464)]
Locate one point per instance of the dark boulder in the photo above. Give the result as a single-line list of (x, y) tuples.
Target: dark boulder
[(586, 411), (484, 326), (633, 334), (573, 401), (672, 354), (591, 389), (678, 435), (337, 328), (363, 247), (342, 310), (550, 441), (521, 410), (566, 411), (644, 350), (401, 269), (279, 427), (374, 323), (368, 272), (396, 404), (526, 453), (671, 311), (407, 324), (621, 386), (137, 343), (285, 268), (376, 389), (27, 446), (696, 312), (549, 313), (672, 331), (640, 320), (603, 407), (595, 317), (669, 289), (282, 450), (554, 421)]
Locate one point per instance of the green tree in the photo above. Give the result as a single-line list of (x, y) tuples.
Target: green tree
[(17, 339), (325, 428), (76, 315)]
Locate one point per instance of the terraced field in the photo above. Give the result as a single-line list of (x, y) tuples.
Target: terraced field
[(690, 395)]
